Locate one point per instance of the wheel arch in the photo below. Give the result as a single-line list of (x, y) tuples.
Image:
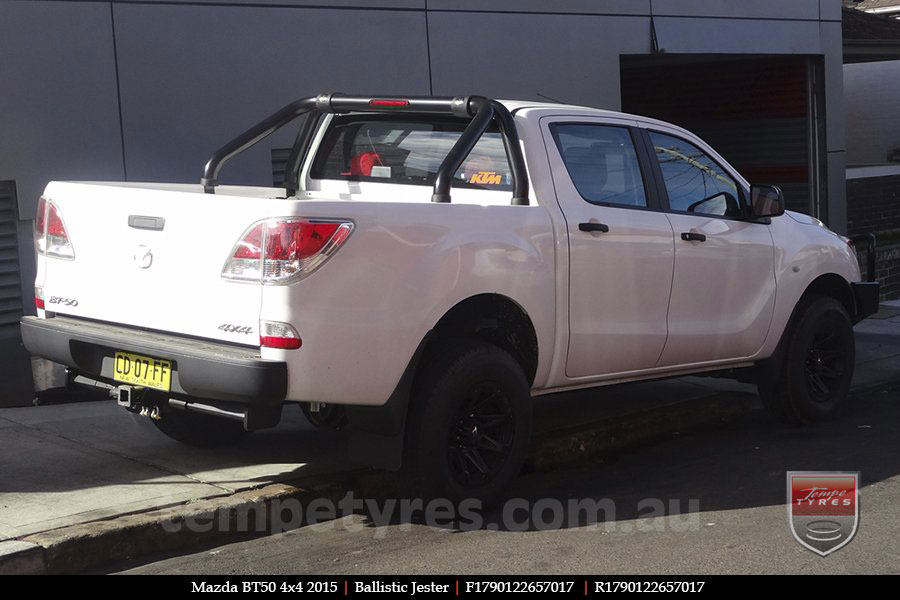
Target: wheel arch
[(778, 387), (493, 318), (379, 431), (832, 285)]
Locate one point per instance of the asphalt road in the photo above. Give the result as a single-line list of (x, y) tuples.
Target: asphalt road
[(723, 489)]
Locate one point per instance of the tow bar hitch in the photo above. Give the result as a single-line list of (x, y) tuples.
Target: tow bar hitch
[(131, 398)]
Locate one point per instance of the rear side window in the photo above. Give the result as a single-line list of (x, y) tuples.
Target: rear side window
[(602, 163), (388, 149)]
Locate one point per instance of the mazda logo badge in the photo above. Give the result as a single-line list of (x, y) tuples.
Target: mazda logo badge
[(143, 257)]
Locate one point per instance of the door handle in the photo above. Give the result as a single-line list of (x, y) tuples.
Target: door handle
[(593, 227), (693, 237)]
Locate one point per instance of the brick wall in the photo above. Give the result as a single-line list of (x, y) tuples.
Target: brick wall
[(873, 204), (887, 270)]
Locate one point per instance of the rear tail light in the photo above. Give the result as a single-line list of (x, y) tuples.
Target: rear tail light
[(40, 219), (279, 251), (39, 297), (273, 334), (50, 235)]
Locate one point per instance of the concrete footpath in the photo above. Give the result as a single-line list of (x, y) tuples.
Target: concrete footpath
[(85, 484)]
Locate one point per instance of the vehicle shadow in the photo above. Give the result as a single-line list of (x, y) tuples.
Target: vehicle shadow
[(741, 463), (92, 445), (719, 466)]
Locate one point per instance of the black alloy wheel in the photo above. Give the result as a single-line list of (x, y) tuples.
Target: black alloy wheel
[(469, 425), (809, 378), (482, 440), (826, 363)]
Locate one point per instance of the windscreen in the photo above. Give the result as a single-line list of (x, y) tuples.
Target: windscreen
[(394, 149)]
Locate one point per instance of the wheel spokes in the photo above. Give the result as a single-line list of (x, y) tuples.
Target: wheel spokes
[(829, 372), (481, 441), (820, 385), (488, 443), (826, 362), (489, 421), (474, 457)]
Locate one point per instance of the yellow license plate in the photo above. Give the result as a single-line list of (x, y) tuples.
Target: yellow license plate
[(143, 371)]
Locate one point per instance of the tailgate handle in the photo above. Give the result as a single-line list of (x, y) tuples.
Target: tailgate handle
[(142, 222)]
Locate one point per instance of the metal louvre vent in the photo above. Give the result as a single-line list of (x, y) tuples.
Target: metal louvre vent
[(10, 283)]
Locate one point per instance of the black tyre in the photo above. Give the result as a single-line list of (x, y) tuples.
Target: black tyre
[(199, 430), (814, 374), (469, 425)]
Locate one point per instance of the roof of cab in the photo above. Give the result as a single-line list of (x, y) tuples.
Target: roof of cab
[(514, 105)]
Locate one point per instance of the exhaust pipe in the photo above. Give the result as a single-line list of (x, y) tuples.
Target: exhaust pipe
[(208, 409), (153, 404)]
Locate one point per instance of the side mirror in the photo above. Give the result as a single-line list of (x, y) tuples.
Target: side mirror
[(722, 203), (766, 201)]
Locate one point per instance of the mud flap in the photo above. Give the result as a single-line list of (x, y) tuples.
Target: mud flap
[(378, 433)]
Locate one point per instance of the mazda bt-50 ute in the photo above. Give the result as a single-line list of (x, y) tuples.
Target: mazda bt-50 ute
[(430, 268)]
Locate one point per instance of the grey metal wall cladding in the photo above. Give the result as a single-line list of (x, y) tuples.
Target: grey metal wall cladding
[(10, 284), (192, 77)]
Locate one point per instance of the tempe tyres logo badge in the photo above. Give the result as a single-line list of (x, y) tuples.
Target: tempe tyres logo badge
[(823, 508)]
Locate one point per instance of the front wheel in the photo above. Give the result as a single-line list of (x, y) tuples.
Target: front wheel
[(469, 426), (814, 374)]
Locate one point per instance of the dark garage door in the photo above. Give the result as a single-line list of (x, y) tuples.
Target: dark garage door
[(755, 112)]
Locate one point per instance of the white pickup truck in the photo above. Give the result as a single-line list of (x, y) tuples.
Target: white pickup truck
[(580, 248)]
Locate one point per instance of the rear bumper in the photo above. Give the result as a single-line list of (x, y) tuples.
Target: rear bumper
[(866, 294), (201, 369)]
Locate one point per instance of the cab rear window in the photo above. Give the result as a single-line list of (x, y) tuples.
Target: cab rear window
[(391, 149)]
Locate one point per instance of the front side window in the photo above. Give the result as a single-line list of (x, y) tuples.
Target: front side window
[(601, 162), (695, 183), (390, 149)]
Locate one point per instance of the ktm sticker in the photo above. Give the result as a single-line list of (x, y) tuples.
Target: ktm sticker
[(486, 178)]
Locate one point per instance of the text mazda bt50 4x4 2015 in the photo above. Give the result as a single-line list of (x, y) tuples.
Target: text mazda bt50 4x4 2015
[(581, 248)]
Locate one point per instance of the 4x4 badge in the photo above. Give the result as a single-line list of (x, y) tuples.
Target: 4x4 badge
[(823, 508)]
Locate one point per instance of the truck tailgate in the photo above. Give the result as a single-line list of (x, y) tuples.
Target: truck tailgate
[(152, 257)]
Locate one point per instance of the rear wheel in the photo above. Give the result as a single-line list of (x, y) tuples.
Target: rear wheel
[(199, 430), (813, 377), (470, 421), (333, 416)]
